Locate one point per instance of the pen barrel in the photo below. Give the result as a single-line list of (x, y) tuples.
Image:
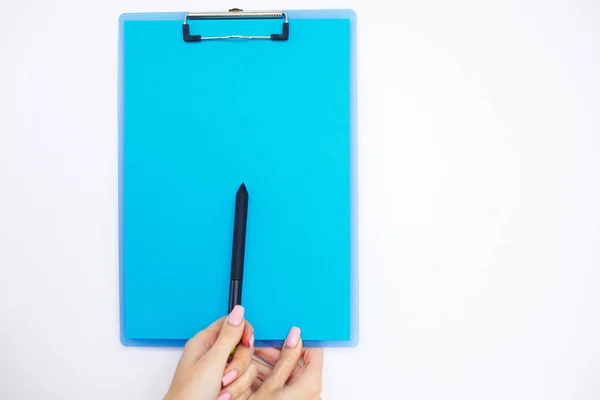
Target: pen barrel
[(235, 294), (239, 235)]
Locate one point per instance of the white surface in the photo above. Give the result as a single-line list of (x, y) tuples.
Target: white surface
[(479, 203)]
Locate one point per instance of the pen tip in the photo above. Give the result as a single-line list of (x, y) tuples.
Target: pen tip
[(242, 188)]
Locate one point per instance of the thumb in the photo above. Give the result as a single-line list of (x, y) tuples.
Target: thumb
[(285, 366), (230, 334)]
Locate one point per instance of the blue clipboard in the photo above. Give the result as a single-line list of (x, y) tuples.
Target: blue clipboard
[(198, 118)]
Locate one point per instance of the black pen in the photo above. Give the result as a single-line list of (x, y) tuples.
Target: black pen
[(239, 247)]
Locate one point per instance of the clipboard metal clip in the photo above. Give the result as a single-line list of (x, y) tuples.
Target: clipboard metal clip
[(236, 13)]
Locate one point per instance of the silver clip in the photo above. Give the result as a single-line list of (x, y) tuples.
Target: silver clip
[(236, 13)]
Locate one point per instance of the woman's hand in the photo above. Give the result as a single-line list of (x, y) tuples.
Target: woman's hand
[(297, 373), (203, 372)]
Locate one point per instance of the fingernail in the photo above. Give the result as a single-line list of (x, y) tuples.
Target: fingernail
[(229, 377), (236, 316), (224, 396), (251, 341), (293, 337)]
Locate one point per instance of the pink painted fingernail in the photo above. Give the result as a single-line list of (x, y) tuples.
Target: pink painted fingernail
[(229, 377), (293, 337), (236, 316), (251, 341), (224, 396)]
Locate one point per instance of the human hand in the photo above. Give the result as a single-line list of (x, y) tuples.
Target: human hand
[(203, 370), (297, 373)]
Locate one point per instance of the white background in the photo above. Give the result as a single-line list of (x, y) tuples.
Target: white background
[(479, 130)]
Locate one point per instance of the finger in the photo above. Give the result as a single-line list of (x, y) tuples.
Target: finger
[(201, 342), (245, 396), (290, 354), (240, 363), (313, 360), (308, 383), (305, 386), (206, 338), (263, 370), (256, 385), (230, 334), (268, 354), (248, 335), (240, 385)]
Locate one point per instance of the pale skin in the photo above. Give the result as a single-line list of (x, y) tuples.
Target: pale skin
[(206, 371)]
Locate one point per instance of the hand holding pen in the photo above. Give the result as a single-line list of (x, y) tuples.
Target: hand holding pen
[(205, 366), (203, 372)]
